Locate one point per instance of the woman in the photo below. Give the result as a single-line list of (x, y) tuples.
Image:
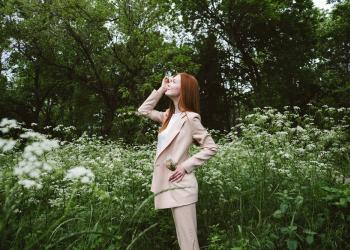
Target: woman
[(177, 187)]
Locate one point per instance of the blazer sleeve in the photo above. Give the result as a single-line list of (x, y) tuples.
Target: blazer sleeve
[(206, 142), (147, 107)]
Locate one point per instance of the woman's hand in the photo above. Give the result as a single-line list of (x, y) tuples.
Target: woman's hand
[(178, 174), (165, 82)]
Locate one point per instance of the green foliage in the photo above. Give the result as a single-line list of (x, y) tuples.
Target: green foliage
[(334, 54), (339, 197), (78, 59), (273, 184)]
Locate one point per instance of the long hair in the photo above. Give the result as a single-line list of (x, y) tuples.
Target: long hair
[(188, 100)]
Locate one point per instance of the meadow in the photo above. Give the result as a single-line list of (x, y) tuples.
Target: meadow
[(280, 180)]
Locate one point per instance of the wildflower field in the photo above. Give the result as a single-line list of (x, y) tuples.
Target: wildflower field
[(280, 180)]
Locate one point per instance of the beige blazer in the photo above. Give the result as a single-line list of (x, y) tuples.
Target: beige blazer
[(176, 147)]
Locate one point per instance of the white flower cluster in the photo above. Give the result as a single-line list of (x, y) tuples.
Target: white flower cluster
[(6, 124), (33, 135), (30, 169), (7, 144), (80, 173)]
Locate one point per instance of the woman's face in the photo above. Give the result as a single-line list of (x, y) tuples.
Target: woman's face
[(174, 86)]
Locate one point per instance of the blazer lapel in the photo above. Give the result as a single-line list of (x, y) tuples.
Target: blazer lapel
[(174, 131)]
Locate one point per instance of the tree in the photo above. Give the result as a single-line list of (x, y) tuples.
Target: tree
[(106, 52), (334, 55), (269, 45)]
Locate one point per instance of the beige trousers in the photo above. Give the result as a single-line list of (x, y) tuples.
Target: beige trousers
[(185, 219)]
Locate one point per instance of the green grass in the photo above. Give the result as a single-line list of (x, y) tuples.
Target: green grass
[(278, 181)]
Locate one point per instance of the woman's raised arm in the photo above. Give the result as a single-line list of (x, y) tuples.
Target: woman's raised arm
[(147, 107)]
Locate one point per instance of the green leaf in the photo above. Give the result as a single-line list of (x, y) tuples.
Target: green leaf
[(309, 239), (278, 214), (292, 244), (284, 207)]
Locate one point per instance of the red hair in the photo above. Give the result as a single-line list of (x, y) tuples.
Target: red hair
[(189, 98)]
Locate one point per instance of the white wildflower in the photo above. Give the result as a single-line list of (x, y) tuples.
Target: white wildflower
[(272, 163), (281, 133), (310, 146), (7, 144), (300, 150), (32, 134), (80, 173), (286, 155), (30, 183), (300, 129), (6, 124), (31, 167)]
